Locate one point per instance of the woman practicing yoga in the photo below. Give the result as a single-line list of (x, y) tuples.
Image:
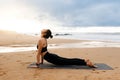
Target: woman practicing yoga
[(42, 53)]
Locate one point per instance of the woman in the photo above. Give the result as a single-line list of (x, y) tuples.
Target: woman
[(42, 53)]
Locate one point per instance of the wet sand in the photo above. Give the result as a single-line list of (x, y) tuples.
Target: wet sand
[(13, 65)]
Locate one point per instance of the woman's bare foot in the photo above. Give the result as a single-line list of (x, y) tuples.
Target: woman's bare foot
[(90, 64)]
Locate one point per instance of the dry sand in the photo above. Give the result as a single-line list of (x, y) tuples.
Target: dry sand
[(13, 66)]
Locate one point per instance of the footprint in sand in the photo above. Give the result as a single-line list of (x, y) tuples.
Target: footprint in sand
[(18, 61), (98, 72), (116, 67), (103, 71), (1, 55), (86, 77), (5, 58), (95, 72), (2, 72), (30, 56), (24, 63)]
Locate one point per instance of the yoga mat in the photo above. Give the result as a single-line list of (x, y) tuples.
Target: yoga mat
[(100, 66)]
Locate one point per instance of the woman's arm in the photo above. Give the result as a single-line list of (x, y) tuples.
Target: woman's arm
[(39, 54)]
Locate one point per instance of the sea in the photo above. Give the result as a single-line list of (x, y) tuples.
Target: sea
[(96, 37), (114, 37), (102, 33)]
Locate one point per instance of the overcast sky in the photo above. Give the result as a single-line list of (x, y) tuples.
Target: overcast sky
[(21, 13), (79, 12)]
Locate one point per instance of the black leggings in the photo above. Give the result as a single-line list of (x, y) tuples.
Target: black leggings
[(57, 60)]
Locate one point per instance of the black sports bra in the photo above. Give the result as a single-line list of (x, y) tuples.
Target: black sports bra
[(44, 49)]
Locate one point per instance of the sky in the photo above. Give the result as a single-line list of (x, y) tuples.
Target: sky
[(33, 15)]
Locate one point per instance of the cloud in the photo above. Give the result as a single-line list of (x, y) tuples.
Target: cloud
[(97, 15), (79, 13), (75, 12)]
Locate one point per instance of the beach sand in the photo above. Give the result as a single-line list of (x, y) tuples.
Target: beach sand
[(13, 65)]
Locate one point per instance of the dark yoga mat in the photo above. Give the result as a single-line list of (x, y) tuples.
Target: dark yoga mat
[(100, 66)]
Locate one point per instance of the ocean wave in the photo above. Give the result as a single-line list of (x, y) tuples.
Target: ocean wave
[(90, 29)]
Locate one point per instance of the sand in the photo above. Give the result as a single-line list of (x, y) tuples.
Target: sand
[(13, 66)]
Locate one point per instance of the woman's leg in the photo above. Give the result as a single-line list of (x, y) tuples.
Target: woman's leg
[(55, 59), (71, 61)]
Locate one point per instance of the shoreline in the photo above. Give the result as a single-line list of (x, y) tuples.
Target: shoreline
[(73, 44), (64, 44)]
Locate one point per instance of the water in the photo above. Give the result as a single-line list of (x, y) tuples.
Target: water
[(88, 44), (4, 49), (99, 37), (114, 37)]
